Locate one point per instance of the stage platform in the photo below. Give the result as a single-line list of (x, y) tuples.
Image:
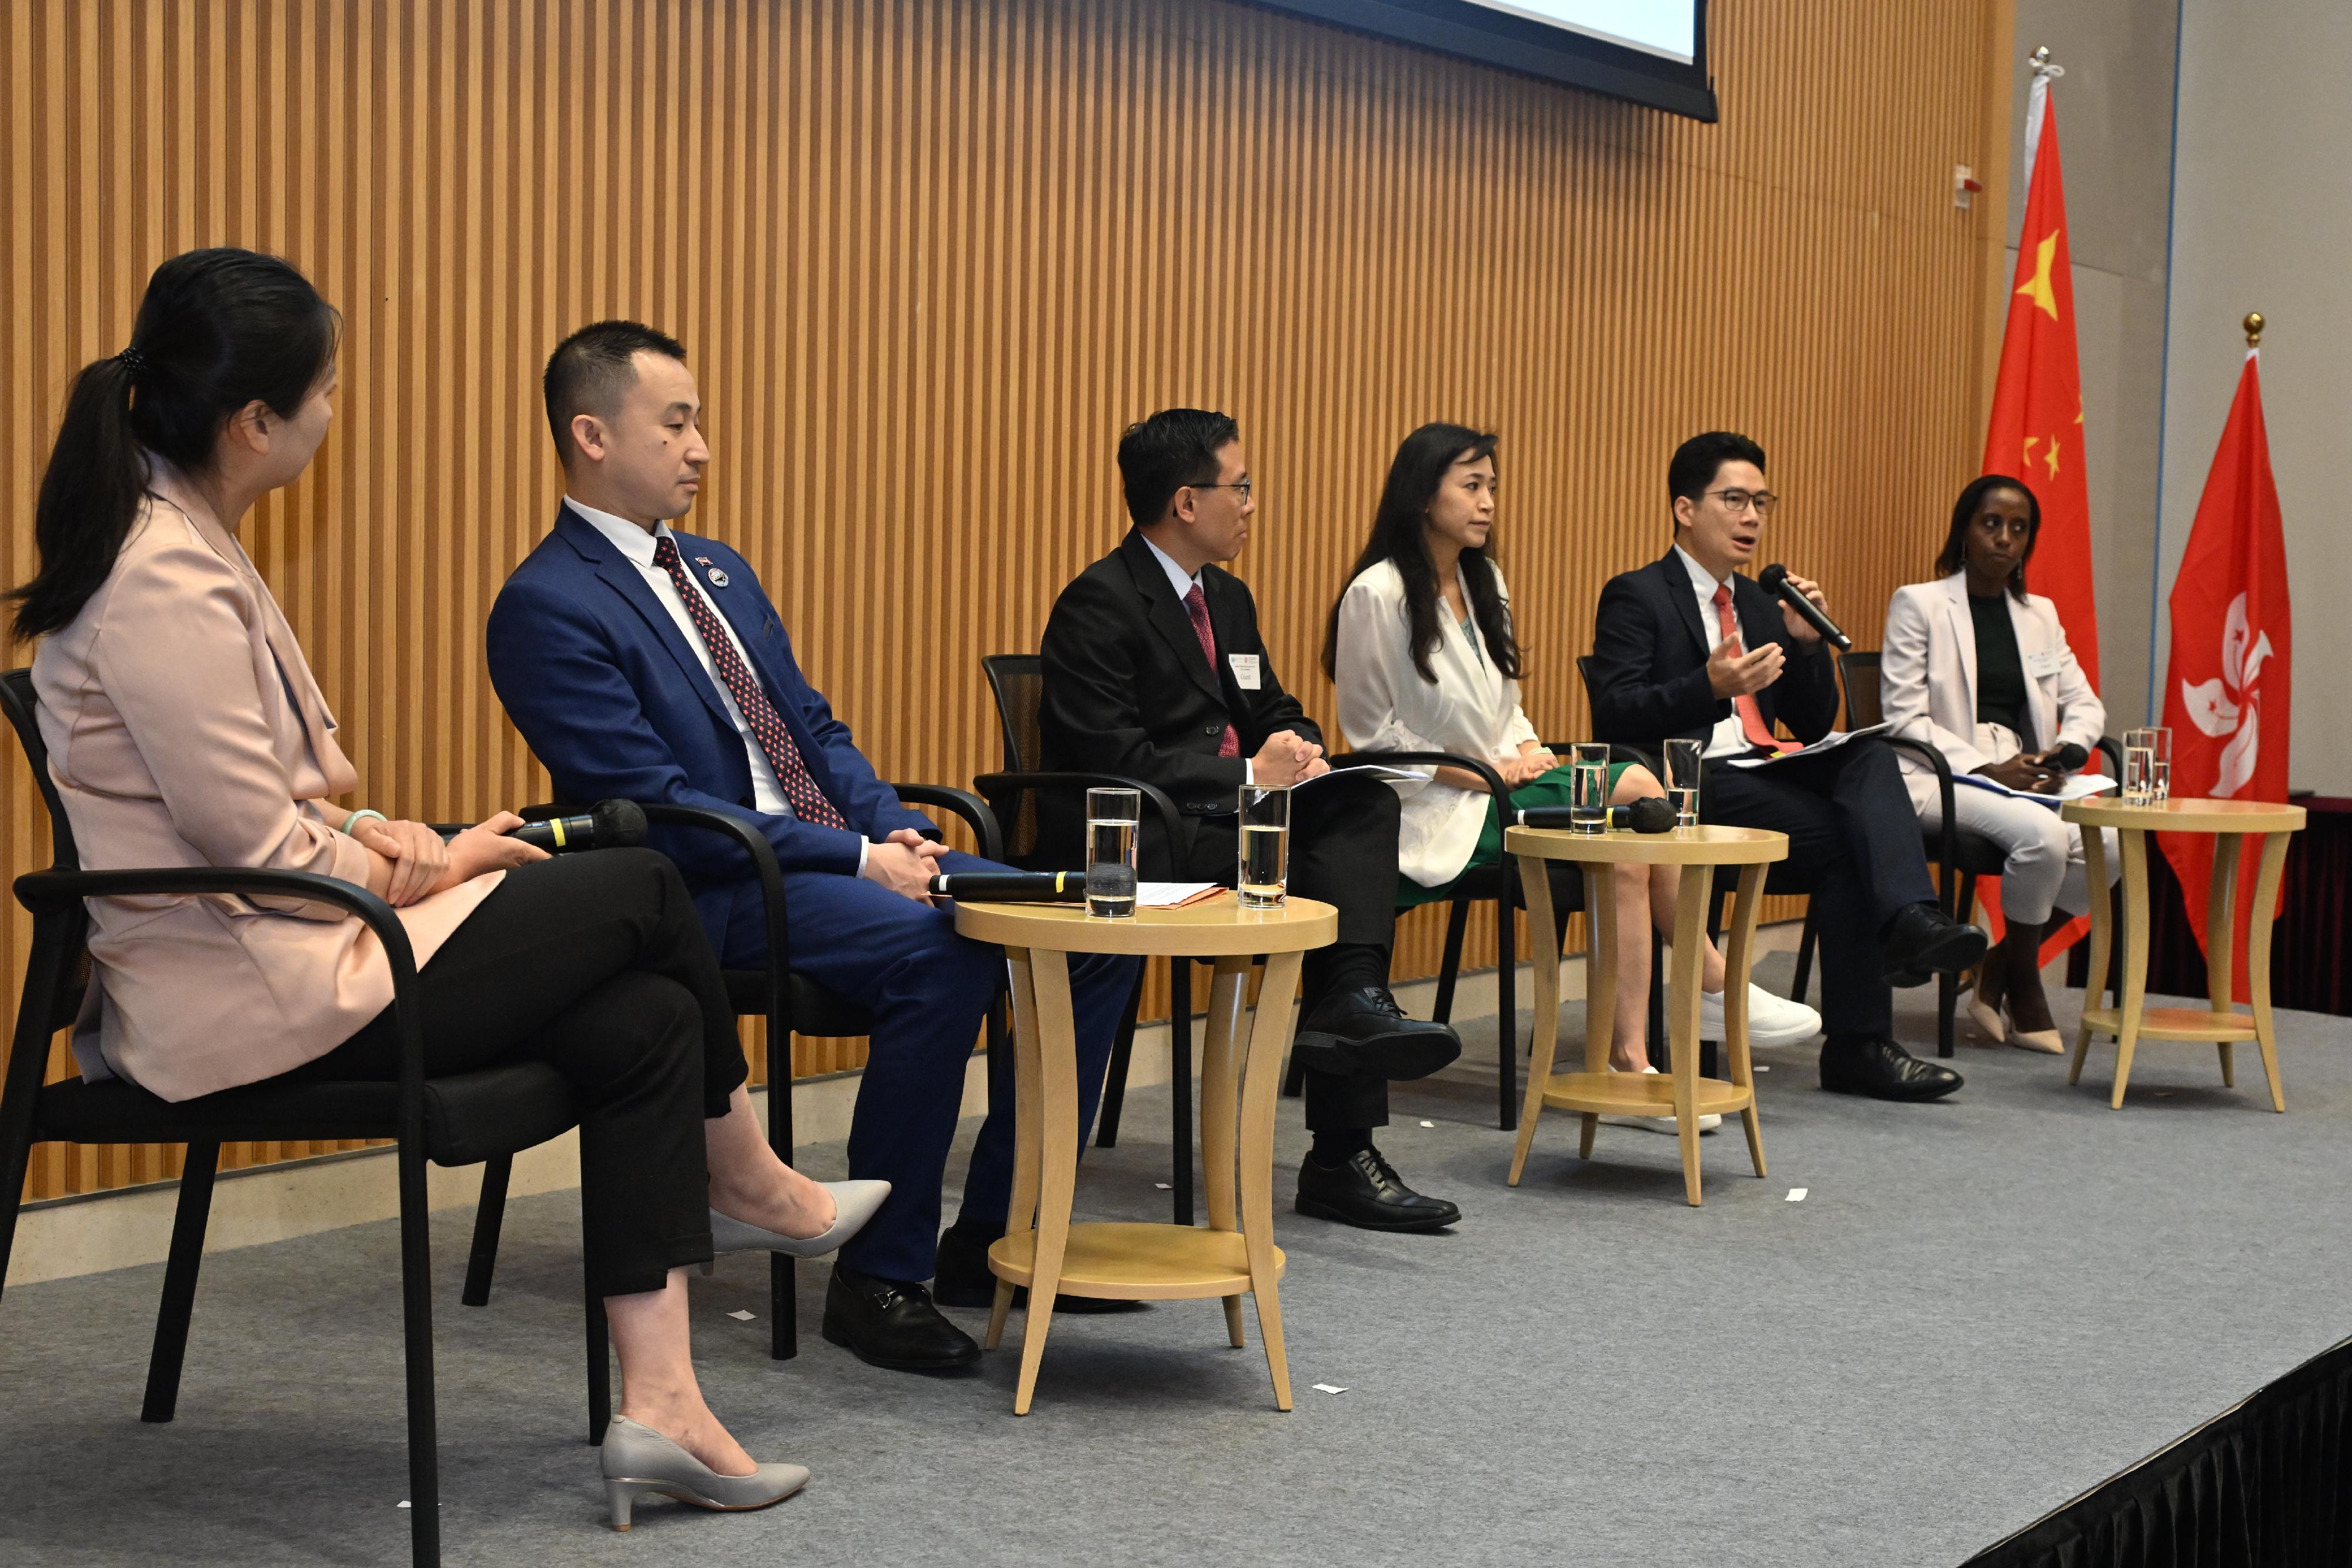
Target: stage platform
[(1980, 1309)]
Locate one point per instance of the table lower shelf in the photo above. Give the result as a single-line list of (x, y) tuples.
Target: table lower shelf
[(1136, 1262), (2194, 1024), (1639, 1095)]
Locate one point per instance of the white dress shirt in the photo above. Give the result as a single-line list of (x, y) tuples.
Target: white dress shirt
[(1184, 582), (767, 794), (1728, 739), (1385, 704)]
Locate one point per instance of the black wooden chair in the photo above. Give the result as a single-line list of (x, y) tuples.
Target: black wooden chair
[(1500, 885), (797, 1006), (1017, 681), (1960, 856), (463, 1119)]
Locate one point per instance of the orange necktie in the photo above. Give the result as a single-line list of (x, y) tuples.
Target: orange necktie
[(1751, 717)]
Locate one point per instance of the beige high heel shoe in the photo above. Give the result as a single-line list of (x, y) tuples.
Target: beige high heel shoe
[(2046, 1040), (637, 1459)]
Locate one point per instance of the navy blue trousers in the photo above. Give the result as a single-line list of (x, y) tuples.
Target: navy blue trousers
[(929, 990)]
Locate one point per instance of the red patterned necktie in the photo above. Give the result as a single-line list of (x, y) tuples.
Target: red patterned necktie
[(1751, 717), (783, 755), (1196, 605)]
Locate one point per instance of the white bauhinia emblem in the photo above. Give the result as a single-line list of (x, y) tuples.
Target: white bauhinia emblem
[(2230, 706)]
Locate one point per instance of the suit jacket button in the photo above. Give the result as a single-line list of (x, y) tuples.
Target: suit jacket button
[(1214, 729)]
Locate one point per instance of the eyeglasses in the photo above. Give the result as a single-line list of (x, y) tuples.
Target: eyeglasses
[(1738, 501), (1244, 486)]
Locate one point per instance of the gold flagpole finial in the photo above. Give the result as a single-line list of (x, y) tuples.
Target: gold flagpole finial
[(2040, 56), (2253, 325)]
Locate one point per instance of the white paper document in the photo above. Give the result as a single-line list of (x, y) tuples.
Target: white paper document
[(1365, 769), (2081, 787), (1170, 894), (1829, 742)]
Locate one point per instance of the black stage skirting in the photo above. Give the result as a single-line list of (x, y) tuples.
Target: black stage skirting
[(2310, 950), (2266, 1485)]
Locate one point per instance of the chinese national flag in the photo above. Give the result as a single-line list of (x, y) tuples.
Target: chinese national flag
[(2036, 431), (2227, 690)]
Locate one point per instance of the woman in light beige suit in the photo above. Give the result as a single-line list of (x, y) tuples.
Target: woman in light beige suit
[(184, 728), (1979, 669)]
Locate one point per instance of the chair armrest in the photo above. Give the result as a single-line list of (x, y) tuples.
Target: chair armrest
[(57, 892), (963, 803), (763, 853), (1948, 841), (1485, 770), (1154, 798), (2113, 750)]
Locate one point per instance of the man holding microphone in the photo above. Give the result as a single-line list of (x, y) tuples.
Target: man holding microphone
[(1685, 648)]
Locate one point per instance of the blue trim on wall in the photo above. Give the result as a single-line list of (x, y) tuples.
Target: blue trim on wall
[(2155, 711)]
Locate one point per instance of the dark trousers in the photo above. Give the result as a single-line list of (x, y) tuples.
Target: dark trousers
[(597, 965), (928, 989), (1855, 839), (1343, 852)]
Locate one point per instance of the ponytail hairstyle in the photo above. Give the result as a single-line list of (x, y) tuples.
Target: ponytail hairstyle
[(218, 330), (1399, 535)]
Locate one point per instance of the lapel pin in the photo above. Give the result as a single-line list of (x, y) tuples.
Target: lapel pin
[(717, 577)]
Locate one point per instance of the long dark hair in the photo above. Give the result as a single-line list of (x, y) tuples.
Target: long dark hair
[(1955, 553), (218, 330), (1399, 535)]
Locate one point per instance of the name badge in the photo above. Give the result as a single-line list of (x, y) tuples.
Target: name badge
[(1246, 673), (2043, 663)]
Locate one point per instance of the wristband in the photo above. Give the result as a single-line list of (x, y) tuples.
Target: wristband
[(362, 815)]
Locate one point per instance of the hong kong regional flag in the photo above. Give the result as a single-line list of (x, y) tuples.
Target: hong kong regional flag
[(2036, 431), (2227, 692)]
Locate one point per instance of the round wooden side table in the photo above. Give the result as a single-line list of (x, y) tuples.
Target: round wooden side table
[(1681, 1094), (1241, 1074), (2231, 822)]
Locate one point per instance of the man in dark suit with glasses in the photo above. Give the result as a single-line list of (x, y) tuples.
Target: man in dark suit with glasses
[(1154, 668)]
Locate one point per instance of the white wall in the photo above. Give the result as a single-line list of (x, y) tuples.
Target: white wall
[(2114, 128), (2262, 221)]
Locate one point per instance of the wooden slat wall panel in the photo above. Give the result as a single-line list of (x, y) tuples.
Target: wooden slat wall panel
[(929, 256)]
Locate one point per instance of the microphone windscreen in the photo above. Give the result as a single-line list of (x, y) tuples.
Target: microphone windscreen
[(1651, 814), (1772, 577), (620, 824)]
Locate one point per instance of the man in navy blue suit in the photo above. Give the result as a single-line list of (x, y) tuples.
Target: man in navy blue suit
[(648, 665)]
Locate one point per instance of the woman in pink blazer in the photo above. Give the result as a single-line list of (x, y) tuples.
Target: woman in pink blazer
[(184, 728)]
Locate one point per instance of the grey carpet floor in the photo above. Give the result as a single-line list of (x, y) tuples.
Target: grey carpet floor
[(1980, 1309)]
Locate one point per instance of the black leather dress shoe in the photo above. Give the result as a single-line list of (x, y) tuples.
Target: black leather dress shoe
[(1366, 1192), (884, 1322), (964, 1281), (1923, 942), (1882, 1070), (1364, 1032)]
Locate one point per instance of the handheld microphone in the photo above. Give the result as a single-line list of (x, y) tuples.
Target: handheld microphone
[(1774, 579), (609, 825), (1012, 886), (1650, 814)]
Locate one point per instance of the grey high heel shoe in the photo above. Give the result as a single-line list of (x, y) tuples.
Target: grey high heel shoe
[(638, 1460), (854, 1203)]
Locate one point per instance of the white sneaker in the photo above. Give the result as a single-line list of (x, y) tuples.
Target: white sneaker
[(1706, 1123), (1771, 1021)]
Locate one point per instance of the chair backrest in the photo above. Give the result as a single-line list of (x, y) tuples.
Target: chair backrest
[(1858, 673), (17, 697), (1017, 681)]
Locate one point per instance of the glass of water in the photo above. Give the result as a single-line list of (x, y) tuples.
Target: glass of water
[(1587, 804), (1682, 782), (2160, 763), (2140, 769), (1266, 846), (1111, 818)]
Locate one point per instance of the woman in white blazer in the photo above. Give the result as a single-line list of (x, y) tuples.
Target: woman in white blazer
[(1980, 668), (1421, 648)]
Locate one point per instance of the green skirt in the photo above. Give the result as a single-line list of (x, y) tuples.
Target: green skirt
[(1552, 788)]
